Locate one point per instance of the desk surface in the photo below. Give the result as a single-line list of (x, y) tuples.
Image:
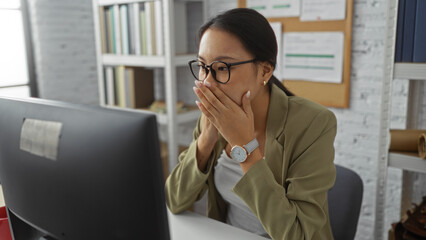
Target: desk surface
[(191, 226)]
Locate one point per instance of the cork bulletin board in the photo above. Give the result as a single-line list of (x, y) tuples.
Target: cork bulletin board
[(327, 94)]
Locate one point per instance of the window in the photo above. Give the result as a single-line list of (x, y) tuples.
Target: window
[(15, 77)]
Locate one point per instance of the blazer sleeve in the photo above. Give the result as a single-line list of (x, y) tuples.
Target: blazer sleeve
[(187, 184), (297, 209)]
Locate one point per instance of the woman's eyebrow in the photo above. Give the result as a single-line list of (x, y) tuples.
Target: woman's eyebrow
[(220, 58)]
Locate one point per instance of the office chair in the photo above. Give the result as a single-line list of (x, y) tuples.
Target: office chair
[(344, 203)]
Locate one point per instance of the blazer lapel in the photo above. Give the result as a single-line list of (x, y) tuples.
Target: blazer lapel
[(274, 145)]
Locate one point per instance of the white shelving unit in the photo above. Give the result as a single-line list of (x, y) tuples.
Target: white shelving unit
[(143, 61), (169, 62), (409, 163)]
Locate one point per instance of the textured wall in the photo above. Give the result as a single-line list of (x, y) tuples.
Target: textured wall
[(64, 50), (65, 58)]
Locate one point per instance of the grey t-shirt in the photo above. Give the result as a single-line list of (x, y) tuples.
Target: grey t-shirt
[(227, 173)]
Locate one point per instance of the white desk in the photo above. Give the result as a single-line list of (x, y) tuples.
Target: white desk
[(192, 226)]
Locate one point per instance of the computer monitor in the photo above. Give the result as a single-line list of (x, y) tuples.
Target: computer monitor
[(78, 172)]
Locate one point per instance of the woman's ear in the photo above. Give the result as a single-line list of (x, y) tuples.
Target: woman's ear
[(266, 70)]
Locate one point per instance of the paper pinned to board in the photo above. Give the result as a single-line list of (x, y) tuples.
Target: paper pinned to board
[(41, 137), (277, 28), (276, 8), (313, 56), (317, 10)]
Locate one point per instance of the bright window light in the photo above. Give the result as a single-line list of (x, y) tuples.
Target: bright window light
[(13, 59), (10, 3), (20, 92)]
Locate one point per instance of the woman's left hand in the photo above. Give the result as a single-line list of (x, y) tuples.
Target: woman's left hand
[(234, 122)]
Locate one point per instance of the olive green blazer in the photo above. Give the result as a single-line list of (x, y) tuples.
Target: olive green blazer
[(287, 189)]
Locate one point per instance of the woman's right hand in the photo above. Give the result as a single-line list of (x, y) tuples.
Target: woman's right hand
[(209, 133), (205, 142)]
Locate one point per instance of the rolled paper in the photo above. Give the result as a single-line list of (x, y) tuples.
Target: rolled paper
[(422, 146), (405, 140)]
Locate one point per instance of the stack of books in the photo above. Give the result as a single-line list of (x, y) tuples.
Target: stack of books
[(129, 87), (411, 31), (135, 28)]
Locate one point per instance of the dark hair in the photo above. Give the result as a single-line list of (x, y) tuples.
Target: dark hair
[(254, 31)]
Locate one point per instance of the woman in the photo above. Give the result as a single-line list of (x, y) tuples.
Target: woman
[(264, 155)]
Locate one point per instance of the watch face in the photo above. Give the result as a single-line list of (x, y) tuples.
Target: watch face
[(238, 153)]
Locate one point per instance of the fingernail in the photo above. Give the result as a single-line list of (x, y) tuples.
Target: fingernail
[(248, 94), (207, 83), (197, 83), (194, 88), (197, 102)]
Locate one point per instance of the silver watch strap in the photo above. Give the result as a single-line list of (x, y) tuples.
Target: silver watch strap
[(251, 146)]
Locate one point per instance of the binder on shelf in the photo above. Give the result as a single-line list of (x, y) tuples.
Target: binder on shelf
[(180, 28), (409, 26), (419, 51), (124, 29), (399, 31)]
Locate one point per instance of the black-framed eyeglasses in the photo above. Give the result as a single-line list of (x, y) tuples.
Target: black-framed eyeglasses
[(221, 71)]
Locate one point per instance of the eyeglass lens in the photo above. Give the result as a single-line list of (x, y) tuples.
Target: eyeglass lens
[(219, 70)]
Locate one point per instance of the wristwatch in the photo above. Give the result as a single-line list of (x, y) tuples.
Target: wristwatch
[(240, 154)]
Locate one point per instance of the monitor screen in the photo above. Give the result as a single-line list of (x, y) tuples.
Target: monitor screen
[(78, 172)]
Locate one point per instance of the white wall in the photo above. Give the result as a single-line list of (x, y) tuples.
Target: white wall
[(66, 70), (64, 51)]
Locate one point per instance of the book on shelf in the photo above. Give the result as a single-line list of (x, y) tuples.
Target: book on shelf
[(129, 87), (142, 91), (143, 30), (409, 25), (102, 30), (399, 31), (419, 51), (135, 44), (109, 85), (120, 90), (108, 33), (159, 28), (150, 28), (116, 29), (124, 27)]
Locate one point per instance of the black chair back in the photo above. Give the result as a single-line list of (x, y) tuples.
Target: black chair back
[(344, 203)]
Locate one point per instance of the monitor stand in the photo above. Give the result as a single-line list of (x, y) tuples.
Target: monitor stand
[(23, 231)]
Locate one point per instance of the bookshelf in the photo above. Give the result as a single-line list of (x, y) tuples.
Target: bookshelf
[(172, 15), (408, 162), (144, 61)]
